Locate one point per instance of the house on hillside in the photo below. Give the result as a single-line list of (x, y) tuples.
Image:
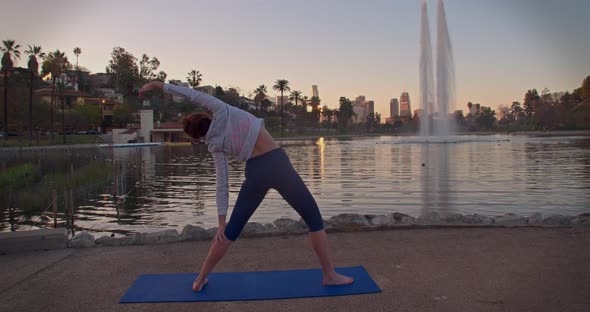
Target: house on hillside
[(169, 132)]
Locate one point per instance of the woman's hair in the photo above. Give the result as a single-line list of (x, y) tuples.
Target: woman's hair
[(197, 124)]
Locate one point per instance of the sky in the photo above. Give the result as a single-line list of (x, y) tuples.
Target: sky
[(501, 48)]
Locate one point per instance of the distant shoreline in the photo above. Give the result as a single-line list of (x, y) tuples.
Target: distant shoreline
[(312, 137)]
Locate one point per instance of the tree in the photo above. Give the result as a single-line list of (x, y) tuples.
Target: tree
[(55, 63), (282, 85), (315, 104), (77, 52), (485, 118), (10, 50), (33, 66), (260, 95), (296, 96), (121, 116), (531, 100), (194, 78), (264, 105), (585, 89), (345, 112), (123, 70)]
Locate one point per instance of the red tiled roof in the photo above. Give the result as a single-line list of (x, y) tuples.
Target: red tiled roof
[(48, 91)]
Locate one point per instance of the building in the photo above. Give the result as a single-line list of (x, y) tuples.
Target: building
[(314, 91), (168, 132), (370, 107), (419, 113), (207, 89), (405, 107), (111, 94), (70, 97), (393, 108), (278, 100)]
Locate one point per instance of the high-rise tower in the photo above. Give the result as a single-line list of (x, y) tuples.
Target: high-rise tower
[(405, 108), (393, 108)]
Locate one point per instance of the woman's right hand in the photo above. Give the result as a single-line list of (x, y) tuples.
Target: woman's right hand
[(150, 86)]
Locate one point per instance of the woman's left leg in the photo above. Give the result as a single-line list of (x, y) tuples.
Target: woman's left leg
[(293, 190)]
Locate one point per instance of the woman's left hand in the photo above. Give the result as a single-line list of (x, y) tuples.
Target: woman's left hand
[(220, 237)]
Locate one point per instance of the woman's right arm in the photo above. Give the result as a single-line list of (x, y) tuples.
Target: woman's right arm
[(197, 97)]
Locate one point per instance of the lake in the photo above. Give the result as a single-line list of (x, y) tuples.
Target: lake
[(171, 186)]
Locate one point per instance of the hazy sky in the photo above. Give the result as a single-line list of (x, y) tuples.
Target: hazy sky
[(348, 48)]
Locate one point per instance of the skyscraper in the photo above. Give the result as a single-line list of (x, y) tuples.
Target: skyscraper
[(314, 91), (370, 107), (405, 108), (393, 108)]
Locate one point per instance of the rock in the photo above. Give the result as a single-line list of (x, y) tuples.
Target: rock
[(557, 220), (454, 218), (349, 222), (535, 219), (408, 220), (477, 219), (108, 241), (399, 217), (582, 220), (370, 217), (255, 229), (161, 237), (510, 220), (289, 226), (193, 233), (429, 218), (210, 233), (383, 220), (130, 240), (82, 240)]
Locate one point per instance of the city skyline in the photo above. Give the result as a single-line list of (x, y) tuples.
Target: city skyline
[(502, 48)]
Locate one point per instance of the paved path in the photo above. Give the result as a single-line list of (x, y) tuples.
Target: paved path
[(488, 269)]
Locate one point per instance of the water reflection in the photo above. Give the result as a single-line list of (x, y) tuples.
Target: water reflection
[(169, 187), (436, 187)]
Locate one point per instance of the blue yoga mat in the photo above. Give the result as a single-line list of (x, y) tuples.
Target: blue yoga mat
[(230, 286)]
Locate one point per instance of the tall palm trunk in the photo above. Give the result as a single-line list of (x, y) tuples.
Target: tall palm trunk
[(63, 117), (282, 113), (31, 109), (52, 112), (6, 106)]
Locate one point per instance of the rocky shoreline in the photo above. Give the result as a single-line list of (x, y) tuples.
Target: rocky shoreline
[(339, 223)]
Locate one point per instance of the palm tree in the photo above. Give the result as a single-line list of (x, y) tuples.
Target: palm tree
[(296, 96), (282, 85), (346, 112), (77, 51), (55, 63), (194, 78), (315, 104), (260, 95), (10, 50), (33, 65)]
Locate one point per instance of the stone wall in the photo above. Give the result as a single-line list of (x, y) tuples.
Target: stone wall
[(339, 223)]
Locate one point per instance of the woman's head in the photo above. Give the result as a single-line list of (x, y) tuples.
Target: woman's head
[(197, 124)]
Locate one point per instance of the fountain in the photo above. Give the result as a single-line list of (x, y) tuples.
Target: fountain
[(435, 119)]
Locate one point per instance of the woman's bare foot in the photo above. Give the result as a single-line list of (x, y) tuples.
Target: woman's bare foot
[(334, 279), (198, 285)]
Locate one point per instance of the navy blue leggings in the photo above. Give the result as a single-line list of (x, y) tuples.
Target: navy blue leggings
[(272, 170)]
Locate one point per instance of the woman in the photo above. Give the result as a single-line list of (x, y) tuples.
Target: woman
[(233, 132)]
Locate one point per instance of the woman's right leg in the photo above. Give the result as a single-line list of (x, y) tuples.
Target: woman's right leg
[(249, 198)]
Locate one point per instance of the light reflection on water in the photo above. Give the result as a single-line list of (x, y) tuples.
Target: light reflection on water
[(169, 187)]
